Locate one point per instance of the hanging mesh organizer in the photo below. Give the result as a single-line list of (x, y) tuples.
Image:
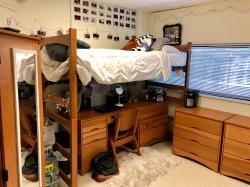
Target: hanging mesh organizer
[(49, 133)]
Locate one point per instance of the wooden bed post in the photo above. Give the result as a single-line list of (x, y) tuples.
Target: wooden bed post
[(73, 106)]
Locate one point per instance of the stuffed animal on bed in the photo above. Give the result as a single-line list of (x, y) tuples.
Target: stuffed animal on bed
[(144, 43)]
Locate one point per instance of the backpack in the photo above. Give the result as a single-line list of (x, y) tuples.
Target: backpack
[(104, 167)]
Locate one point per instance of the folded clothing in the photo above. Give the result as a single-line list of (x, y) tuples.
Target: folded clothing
[(60, 52)]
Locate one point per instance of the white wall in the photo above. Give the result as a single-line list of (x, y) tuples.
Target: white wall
[(53, 15), (224, 21)]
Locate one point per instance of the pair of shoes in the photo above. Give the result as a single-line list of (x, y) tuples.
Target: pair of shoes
[(30, 167)]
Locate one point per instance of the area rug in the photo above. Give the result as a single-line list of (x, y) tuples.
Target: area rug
[(138, 171)]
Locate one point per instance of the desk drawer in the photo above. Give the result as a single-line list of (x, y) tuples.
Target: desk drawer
[(196, 149), (153, 135), (93, 125), (152, 111), (238, 133), (154, 122), (94, 138), (198, 136), (198, 123), (236, 148), (235, 166)]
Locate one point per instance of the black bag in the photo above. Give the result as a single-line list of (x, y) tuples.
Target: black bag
[(30, 167), (104, 166)]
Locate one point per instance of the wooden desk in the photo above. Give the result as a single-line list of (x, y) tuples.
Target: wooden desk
[(93, 129)]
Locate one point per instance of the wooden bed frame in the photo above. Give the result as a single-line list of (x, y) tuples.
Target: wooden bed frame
[(71, 123)]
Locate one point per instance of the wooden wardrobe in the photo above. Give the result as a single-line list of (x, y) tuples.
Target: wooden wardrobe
[(8, 41), (1, 150)]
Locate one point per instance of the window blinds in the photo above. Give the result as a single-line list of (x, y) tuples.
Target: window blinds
[(221, 71)]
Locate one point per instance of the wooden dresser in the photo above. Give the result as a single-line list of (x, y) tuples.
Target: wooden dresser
[(93, 129), (197, 135), (235, 159)]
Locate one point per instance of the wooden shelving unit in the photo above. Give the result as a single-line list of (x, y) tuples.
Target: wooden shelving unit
[(68, 123)]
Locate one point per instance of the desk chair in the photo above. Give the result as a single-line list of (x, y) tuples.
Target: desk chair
[(125, 131)]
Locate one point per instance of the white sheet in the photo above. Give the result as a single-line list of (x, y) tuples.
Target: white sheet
[(108, 66), (117, 66)]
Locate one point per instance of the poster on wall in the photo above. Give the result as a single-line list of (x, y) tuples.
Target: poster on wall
[(173, 34), (90, 11)]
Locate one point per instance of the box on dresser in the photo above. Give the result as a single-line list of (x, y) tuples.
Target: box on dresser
[(197, 134), (235, 160)]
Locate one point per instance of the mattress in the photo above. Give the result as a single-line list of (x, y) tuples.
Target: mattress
[(108, 66)]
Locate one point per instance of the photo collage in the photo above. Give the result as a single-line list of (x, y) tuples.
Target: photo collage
[(98, 13)]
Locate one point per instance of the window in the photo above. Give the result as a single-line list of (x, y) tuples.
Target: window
[(221, 71)]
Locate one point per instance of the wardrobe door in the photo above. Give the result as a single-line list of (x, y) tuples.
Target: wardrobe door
[(1, 165)]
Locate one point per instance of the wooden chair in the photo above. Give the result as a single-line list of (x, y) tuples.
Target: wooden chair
[(125, 131), (28, 124)]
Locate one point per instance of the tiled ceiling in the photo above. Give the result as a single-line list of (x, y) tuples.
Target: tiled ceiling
[(155, 5)]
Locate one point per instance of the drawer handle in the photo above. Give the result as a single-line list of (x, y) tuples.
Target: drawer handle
[(247, 174), (95, 140), (95, 129), (195, 141), (195, 128), (193, 153)]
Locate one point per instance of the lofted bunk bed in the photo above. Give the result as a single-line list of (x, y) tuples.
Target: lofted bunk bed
[(75, 75)]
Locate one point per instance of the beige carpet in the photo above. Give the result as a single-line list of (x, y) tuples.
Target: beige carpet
[(138, 171)]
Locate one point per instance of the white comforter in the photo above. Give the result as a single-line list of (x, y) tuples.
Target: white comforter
[(108, 66)]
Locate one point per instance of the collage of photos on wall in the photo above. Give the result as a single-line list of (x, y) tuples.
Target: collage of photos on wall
[(89, 11)]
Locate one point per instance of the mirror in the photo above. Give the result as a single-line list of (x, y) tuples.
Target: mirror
[(27, 116)]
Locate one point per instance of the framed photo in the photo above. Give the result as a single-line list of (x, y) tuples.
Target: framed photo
[(77, 2), (85, 3), (108, 15), (77, 9), (109, 8), (116, 38), (173, 34), (77, 17), (85, 11), (101, 21), (109, 37), (108, 22), (85, 18), (93, 20), (116, 23), (101, 7), (93, 4)]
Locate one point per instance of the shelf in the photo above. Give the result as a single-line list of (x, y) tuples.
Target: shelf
[(64, 177), (62, 150), (58, 118)]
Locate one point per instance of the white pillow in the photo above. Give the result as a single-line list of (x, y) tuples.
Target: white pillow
[(170, 49)]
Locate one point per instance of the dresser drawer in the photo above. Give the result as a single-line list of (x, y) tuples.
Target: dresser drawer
[(154, 122), (198, 136), (94, 138), (153, 135), (238, 133), (235, 166), (152, 111), (236, 148), (196, 149), (90, 151), (202, 124), (93, 125)]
